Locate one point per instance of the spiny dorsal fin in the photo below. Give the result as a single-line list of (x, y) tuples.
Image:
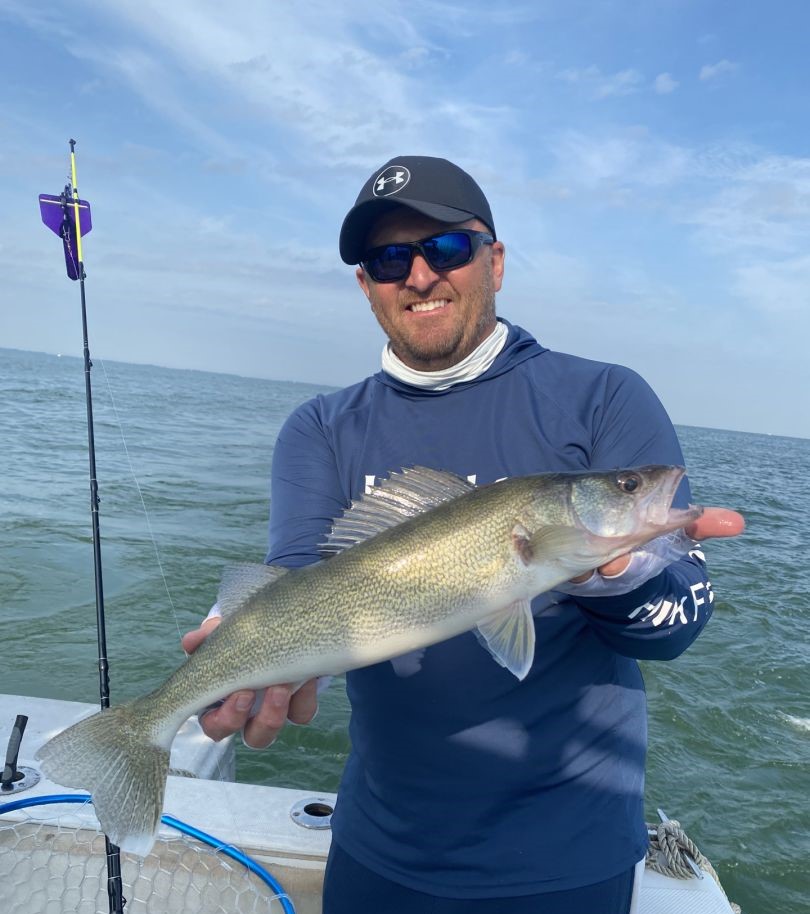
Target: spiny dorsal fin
[(240, 582), (392, 501)]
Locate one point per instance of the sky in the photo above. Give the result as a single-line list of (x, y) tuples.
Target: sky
[(646, 162)]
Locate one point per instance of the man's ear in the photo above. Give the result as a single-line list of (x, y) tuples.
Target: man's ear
[(498, 256), (362, 281)]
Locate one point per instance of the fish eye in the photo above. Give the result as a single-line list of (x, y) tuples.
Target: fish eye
[(628, 482)]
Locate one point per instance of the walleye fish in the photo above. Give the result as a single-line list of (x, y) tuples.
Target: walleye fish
[(426, 556)]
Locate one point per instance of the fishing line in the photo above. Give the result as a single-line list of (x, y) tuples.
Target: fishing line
[(223, 774), (220, 765), (140, 495)]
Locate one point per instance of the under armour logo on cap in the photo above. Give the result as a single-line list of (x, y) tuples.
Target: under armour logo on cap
[(433, 187), (391, 180)]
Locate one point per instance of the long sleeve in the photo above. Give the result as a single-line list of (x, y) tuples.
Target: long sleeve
[(660, 619), (305, 493)]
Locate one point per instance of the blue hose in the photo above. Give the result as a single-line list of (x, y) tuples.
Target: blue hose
[(183, 827)]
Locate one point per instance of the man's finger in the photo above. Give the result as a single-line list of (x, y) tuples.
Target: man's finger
[(230, 717), (262, 729), (609, 569), (614, 567), (304, 703), (193, 639), (716, 522)]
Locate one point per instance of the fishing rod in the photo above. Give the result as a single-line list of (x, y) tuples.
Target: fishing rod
[(69, 217)]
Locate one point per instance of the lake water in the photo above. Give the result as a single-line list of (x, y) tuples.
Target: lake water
[(729, 720)]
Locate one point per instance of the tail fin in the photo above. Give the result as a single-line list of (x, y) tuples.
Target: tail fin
[(113, 755)]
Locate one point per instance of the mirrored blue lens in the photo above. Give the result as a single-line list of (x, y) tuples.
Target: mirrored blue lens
[(442, 252), (389, 263)]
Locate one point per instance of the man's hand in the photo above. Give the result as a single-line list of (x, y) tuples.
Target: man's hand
[(713, 522), (278, 704)]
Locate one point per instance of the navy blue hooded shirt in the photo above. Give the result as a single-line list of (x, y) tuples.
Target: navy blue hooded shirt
[(463, 781)]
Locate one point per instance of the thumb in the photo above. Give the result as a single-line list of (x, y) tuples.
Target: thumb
[(716, 522), (193, 639)]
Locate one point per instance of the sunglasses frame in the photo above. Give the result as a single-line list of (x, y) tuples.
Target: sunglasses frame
[(476, 238)]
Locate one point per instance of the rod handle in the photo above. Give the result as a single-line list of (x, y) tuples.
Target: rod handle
[(13, 752)]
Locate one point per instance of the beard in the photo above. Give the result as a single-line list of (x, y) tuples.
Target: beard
[(447, 345)]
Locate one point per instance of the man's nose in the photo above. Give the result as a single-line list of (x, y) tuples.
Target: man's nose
[(422, 275)]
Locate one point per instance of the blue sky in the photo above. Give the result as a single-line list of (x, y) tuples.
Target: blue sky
[(646, 161)]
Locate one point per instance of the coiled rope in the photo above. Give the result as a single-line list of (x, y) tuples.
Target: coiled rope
[(669, 851)]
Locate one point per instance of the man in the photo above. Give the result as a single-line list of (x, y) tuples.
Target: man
[(467, 790)]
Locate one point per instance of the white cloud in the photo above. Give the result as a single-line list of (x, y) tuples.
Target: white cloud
[(756, 225), (760, 203), (712, 71), (620, 159), (778, 287), (599, 85), (416, 57), (463, 19), (748, 211), (310, 71), (303, 71), (516, 58), (664, 84)]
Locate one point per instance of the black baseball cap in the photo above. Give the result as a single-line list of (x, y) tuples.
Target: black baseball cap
[(431, 186)]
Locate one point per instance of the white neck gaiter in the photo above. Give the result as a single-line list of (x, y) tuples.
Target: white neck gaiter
[(475, 364)]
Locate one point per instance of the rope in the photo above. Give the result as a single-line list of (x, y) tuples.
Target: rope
[(669, 852)]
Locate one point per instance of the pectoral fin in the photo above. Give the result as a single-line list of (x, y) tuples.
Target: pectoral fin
[(569, 547), (509, 636)]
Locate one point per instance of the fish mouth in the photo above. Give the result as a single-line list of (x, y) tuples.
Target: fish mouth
[(652, 513), (657, 507), (680, 517)]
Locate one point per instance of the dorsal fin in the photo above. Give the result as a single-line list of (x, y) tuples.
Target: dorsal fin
[(239, 583), (406, 494)]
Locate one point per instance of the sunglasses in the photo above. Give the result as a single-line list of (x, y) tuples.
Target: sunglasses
[(445, 251)]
